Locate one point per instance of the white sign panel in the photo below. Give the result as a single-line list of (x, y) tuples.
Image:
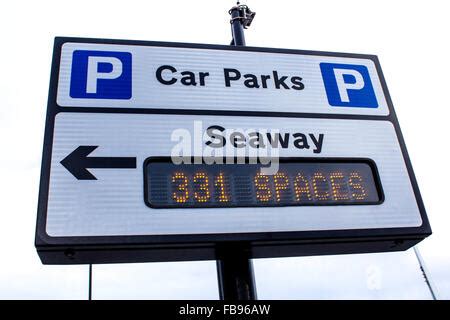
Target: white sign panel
[(113, 76), (114, 203)]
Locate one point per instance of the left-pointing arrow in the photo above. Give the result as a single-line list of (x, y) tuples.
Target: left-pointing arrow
[(77, 162)]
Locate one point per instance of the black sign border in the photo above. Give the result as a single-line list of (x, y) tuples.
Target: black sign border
[(109, 249)]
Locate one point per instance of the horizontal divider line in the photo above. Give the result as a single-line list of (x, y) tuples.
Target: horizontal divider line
[(221, 113)]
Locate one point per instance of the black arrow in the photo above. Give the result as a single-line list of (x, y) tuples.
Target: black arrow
[(78, 161)]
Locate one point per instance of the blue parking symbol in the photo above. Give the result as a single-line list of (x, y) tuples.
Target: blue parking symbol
[(348, 85), (100, 75)]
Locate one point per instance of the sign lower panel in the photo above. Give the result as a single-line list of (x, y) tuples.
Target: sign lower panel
[(113, 203)]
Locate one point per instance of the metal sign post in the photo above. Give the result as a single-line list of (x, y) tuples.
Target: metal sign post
[(234, 267), (241, 18)]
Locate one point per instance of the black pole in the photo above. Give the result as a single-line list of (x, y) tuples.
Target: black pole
[(90, 283), (235, 273), (237, 28), (234, 266)]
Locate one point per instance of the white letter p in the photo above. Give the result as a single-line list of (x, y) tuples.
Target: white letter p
[(344, 86), (93, 75)]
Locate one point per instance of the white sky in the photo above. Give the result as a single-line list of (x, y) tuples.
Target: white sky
[(409, 37)]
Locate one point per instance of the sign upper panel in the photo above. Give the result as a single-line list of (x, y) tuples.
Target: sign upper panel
[(158, 77)]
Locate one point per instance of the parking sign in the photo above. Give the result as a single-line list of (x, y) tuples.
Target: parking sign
[(160, 151)]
